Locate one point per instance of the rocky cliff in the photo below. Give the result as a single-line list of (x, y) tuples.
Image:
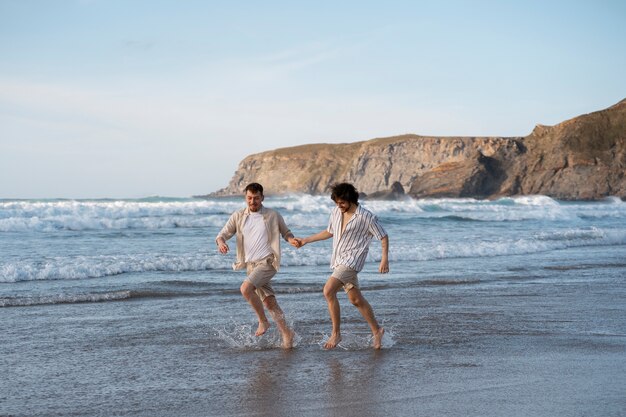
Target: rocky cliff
[(582, 158)]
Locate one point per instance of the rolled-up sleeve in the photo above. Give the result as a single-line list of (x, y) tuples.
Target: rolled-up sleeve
[(285, 232)]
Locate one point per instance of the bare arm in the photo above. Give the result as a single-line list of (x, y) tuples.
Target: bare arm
[(323, 235), (384, 262)]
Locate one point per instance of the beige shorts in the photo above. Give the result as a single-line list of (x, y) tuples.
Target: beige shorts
[(260, 274), (347, 276)]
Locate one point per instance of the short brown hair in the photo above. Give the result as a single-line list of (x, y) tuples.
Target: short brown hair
[(254, 188)]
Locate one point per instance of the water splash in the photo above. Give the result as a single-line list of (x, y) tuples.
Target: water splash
[(241, 337), (359, 341)]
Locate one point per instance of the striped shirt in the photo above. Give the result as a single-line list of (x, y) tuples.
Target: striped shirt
[(350, 249)]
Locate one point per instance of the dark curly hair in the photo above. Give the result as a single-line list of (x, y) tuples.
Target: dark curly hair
[(345, 191)]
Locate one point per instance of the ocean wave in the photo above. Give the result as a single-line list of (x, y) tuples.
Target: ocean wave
[(46, 216), (510, 209), (69, 223), (97, 297), (160, 291), (301, 209), (506, 209), (475, 248), (579, 235), (98, 266), (540, 242), (58, 215), (64, 299)]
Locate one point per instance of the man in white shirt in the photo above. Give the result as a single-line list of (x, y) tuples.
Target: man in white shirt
[(259, 253), (352, 228)]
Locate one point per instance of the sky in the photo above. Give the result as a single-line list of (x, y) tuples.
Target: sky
[(131, 99)]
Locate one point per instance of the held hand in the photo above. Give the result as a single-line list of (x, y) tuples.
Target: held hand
[(298, 242), (384, 266)]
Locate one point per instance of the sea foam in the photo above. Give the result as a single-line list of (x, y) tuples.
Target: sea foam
[(97, 266), (46, 216), (301, 210)]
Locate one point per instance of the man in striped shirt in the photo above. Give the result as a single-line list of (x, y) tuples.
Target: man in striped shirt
[(352, 228)]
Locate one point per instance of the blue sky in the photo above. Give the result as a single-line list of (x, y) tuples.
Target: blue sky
[(138, 98)]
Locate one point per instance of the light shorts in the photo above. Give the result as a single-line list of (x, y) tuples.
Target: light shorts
[(347, 276), (260, 274)]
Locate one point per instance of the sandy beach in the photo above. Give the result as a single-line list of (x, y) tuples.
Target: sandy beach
[(504, 308)]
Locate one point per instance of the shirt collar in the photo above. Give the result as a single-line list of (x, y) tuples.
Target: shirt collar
[(247, 211)]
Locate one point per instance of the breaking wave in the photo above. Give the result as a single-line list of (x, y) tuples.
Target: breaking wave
[(303, 210), (97, 266)]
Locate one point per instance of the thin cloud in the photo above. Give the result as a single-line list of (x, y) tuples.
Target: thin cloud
[(139, 44)]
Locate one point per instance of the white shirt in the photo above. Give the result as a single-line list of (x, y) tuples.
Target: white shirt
[(255, 238), (351, 247)]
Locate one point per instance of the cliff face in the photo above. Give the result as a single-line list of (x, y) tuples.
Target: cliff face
[(582, 158), (371, 165)]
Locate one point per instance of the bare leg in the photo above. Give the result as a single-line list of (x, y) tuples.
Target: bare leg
[(279, 317), (330, 293), (357, 299), (248, 292)]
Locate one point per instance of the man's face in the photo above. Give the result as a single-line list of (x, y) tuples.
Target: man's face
[(254, 200), (343, 205)]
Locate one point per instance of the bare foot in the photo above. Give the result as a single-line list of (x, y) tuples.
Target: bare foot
[(288, 339), (263, 326), (377, 342), (332, 341)]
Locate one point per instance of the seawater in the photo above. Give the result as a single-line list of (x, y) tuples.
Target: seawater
[(79, 251), (506, 307)]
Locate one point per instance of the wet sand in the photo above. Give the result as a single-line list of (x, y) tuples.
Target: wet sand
[(500, 382), (541, 348), (522, 345)]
